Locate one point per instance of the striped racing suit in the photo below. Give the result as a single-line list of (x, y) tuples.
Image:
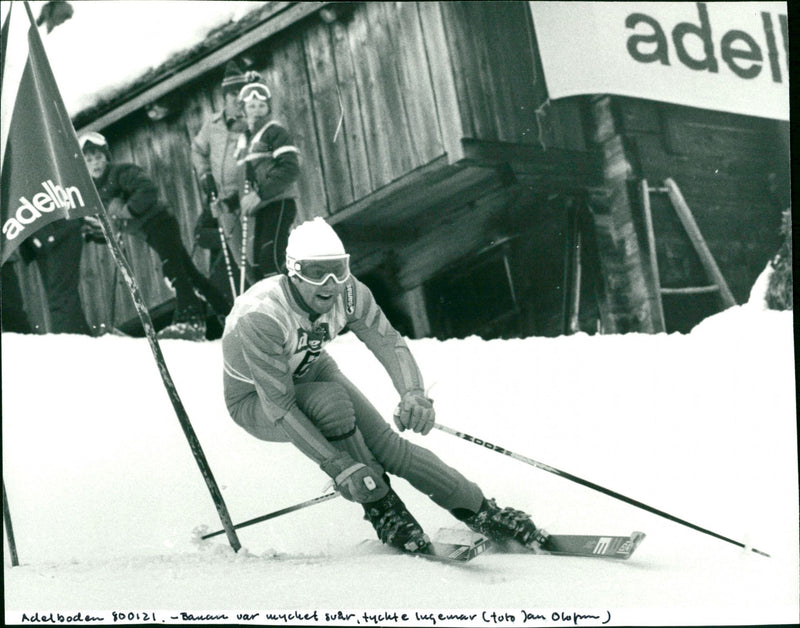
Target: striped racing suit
[(281, 385)]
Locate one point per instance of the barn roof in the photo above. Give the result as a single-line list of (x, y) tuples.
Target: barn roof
[(218, 46)]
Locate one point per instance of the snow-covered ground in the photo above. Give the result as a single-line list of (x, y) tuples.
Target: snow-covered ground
[(105, 494)]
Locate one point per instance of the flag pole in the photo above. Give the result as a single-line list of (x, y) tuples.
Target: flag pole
[(172, 391), (12, 545), (62, 159)]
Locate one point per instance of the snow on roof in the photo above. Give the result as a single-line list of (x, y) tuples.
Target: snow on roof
[(108, 46)]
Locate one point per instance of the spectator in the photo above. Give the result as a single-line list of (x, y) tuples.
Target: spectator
[(270, 165), (13, 317), (214, 160), (133, 204), (57, 249)]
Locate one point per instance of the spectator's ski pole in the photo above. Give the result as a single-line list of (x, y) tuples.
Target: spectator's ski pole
[(587, 483), (243, 260), (113, 316), (227, 257), (243, 252), (224, 243), (277, 513), (113, 309)]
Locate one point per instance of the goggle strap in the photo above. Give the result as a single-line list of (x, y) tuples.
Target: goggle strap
[(296, 267), (248, 92)]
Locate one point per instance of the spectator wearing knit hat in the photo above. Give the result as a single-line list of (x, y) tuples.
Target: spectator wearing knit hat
[(214, 161)]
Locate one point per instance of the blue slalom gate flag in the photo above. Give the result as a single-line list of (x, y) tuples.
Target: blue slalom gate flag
[(43, 175)]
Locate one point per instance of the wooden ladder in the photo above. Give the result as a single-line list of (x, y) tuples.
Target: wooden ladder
[(718, 283)]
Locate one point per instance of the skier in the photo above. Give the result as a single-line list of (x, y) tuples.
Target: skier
[(281, 385), (132, 200), (270, 165), (214, 160)]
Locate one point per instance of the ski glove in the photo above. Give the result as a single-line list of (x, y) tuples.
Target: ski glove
[(249, 202), (92, 231), (415, 412), (206, 231), (209, 186), (118, 209), (218, 207), (354, 480)]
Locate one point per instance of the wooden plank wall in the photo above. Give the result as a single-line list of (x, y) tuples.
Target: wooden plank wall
[(492, 48), (731, 170), (358, 98), (499, 86), (381, 71)]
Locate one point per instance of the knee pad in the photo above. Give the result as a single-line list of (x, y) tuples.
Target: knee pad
[(330, 408)]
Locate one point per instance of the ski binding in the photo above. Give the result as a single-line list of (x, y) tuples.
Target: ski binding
[(447, 549)]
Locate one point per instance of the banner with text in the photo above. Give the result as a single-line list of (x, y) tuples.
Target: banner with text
[(43, 176), (725, 56)]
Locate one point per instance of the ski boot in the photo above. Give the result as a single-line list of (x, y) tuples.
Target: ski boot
[(501, 525), (188, 324), (394, 524)]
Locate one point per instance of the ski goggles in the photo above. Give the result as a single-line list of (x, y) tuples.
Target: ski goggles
[(254, 91), (91, 137), (318, 271)]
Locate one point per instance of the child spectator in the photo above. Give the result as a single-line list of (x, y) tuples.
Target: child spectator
[(133, 204)]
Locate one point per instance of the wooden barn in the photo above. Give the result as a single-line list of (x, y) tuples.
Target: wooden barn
[(472, 200)]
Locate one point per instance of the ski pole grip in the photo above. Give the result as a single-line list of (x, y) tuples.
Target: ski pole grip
[(208, 185)]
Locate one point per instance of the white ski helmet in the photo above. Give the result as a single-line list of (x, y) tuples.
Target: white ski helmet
[(314, 253), (314, 239)]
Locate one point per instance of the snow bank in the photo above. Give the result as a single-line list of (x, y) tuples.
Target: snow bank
[(105, 494)]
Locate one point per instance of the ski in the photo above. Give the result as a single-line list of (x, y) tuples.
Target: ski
[(588, 545), (453, 545)]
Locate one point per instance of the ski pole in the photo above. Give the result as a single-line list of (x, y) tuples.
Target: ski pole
[(243, 258), (587, 483), (113, 315), (12, 545), (124, 251), (223, 242), (277, 513), (243, 252)]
